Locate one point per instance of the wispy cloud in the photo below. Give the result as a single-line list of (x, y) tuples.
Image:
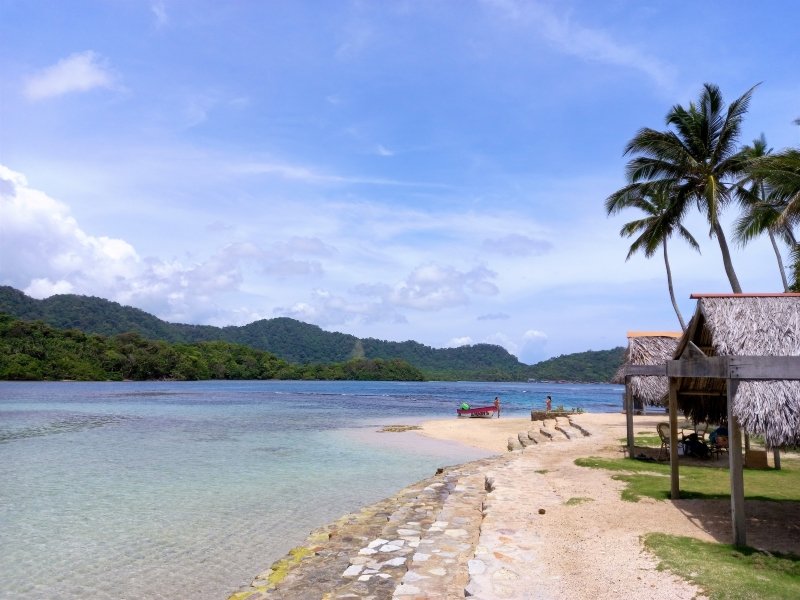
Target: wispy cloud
[(160, 13), (587, 43), (79, 72), (493, 317), (517, 245), (308, 175)]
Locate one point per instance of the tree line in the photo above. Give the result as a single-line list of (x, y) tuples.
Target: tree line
[(697, 162), (33, 350)]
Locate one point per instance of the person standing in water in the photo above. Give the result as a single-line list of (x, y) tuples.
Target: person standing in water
[(497, 405), (549, 403)]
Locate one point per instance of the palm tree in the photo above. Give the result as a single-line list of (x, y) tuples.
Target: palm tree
[(780, 173), (662, 220), (759, 215), (698, 160)]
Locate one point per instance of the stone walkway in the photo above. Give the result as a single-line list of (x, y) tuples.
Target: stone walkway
[(470, 531)]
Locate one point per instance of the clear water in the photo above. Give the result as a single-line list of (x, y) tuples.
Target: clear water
[(178, 490)]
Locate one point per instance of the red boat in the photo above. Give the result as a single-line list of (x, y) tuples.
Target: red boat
[(480, 412)]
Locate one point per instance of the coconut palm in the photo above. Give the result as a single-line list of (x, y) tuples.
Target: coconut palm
[(662, 220), (759, 215), (697, 159), (780, 173)]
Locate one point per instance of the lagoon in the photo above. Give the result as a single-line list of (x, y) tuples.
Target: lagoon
[(188, 489)]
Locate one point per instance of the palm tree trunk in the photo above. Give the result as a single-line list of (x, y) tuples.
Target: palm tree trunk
[(726, 258), (671, 291), (780, 260)]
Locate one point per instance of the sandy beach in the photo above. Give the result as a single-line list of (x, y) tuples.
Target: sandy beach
[(544, 528)]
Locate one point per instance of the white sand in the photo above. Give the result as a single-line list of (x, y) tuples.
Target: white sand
[(594, 550)]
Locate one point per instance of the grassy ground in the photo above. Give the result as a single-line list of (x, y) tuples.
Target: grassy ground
[(722, 571), (725, 572), (652, 480)]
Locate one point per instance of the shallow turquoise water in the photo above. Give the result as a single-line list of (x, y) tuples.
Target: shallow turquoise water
[(177, 490)]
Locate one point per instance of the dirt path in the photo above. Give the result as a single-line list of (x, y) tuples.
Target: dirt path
[(587, 544)]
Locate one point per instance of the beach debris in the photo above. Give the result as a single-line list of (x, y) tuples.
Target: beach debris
[(399, 428), (542, 511)]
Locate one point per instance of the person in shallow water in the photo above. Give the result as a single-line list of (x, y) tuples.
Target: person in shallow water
[(549, 403), (497, 405)]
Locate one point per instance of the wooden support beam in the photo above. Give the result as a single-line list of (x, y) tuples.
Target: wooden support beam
[(738, 521), (715, 367), (675, 489), (646, 370), (776, 458), (629, 414), (765, 367)]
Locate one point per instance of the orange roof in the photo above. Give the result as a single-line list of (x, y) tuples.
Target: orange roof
[(669, 334), (764, 295)]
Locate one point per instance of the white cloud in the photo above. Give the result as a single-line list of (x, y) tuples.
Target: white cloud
[(44, 288), (493, 317), (328, 309), (533, 334), (358, 35), (308, 175), (79, 72), (589, 44), (435, 287), (381, 150), (501, 339), (53, 254), (160, 13), (517, 245), (460, 341)]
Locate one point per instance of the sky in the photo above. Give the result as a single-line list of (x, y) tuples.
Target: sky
[(427, 170)]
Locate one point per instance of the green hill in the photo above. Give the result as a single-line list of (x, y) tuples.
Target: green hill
[(297, 342), (592, 365), (33, 350)]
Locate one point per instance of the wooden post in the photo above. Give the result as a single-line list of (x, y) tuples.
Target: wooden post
[(776, 458), (629, 414), (675, 489), (736, 472)]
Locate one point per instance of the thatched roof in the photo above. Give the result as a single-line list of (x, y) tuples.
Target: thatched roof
[(745, 325), (648, 348)]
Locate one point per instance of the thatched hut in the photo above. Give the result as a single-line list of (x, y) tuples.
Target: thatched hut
[(648, 348), (739, 359), (744, 325)]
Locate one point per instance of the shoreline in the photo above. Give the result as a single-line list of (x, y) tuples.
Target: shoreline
[(333, 557), (527, 523)]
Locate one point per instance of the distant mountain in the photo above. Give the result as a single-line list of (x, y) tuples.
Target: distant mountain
[(298, 342)]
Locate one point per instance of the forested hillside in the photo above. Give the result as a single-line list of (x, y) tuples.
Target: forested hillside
[(297, 342), (592, 365), (33, 350)]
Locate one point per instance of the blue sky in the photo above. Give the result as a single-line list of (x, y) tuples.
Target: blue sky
[(418, 170)]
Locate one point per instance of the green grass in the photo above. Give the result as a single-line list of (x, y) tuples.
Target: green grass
[(725, 572), (646, 479), (541, 471), (575, 500), (644, 439)]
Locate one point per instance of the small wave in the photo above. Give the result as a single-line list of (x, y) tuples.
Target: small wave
[(68, 425)]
